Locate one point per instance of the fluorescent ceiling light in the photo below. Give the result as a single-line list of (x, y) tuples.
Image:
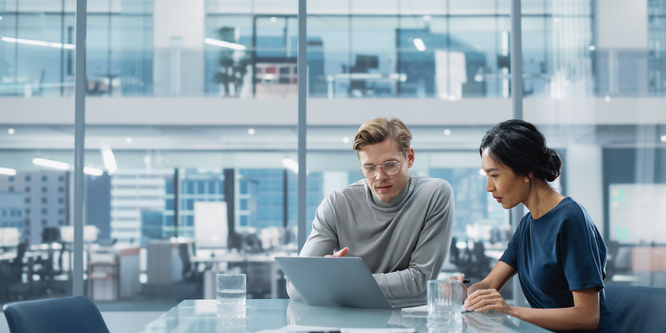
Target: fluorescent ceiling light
[(419, 44), (251, 131), (222, 43), (290, 164), (663, 138), (37, 43), (10, 131), (92, 171), (50, 163), (7, 171), (109, 159)]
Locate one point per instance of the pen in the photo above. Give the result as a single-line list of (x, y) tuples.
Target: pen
[(466, 281)]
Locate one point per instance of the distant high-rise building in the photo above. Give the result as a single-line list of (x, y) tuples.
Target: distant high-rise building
[(44, 200), (98, 204), (151, 226), (133, 191), (11, 210)]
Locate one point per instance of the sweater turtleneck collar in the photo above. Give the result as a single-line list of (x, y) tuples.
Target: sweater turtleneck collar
[(396, 201)]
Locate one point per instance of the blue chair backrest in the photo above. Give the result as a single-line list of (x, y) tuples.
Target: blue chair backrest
[(637, 309), (55, 315)]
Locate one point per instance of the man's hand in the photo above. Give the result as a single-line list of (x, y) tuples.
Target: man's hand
[(461, 277), (341, 253)]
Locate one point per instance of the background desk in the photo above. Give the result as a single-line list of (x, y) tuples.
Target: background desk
[(200, 316), (251, 265)]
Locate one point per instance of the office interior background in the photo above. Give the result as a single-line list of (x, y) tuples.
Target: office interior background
[(191, 110)]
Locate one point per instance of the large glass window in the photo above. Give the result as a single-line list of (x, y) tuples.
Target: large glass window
[(197, 105)]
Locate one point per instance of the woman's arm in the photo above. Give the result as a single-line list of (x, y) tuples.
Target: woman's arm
[(584, 315)]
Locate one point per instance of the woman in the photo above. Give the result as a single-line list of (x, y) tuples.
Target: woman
[(556, 251)]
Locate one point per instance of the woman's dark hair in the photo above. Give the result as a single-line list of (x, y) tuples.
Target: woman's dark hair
[(520, 146)]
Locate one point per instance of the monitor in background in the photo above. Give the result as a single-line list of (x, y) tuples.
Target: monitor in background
[(637, 213), (210, 225), (9, 237)]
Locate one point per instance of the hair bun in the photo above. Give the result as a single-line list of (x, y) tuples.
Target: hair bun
[(553, 166)]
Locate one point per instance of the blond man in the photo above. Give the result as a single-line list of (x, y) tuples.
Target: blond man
[(400, 224)]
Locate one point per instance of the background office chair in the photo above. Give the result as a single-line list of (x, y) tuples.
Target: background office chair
[(55, 315), (12, 273), (191, 272), (637, 309)]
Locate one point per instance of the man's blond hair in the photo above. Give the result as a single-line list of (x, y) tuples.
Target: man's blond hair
[(379, 129)]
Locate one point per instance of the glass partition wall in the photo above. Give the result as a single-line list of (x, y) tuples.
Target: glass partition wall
[(192, 123)]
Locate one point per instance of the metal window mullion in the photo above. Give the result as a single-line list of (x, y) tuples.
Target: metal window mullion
[(79, 141), (516, 213), (302, 119)]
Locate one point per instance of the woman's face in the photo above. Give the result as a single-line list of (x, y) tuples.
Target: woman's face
[(506, 187)]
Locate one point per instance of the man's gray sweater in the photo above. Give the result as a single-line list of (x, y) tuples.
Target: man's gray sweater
[(404, 242)]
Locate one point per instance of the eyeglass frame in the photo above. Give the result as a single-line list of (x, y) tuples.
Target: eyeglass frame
[(361, 168)]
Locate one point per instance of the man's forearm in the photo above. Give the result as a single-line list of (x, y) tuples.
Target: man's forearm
[(406, 283)]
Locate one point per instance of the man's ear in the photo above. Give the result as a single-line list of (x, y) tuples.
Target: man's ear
[(410, 157)]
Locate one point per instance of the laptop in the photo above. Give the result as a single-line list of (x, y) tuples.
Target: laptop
[(343, 282)]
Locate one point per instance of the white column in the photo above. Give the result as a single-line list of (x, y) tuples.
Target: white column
[(584, 181), (621, 24), (181, 21)]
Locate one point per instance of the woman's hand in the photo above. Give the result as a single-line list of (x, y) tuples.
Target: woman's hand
[(487, 300)]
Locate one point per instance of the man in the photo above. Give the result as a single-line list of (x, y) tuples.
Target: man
[(399, 224)]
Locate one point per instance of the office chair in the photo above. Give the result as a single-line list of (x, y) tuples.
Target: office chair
[(13, 270), (191, 271), (51, 267), (637, 309), (54, 315)]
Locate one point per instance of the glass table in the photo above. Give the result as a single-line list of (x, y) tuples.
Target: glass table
[(200, 316)]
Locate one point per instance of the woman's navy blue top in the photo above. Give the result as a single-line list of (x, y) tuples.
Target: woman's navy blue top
[(557, 253)]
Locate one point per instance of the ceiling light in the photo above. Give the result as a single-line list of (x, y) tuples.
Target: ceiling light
[(50, 163), (345, 139), (427, 17), (10, 131), (290, 164), (607, 99), (128, 140), (108, 159), (222, 43), (663, 138), (592, 48), (92, 171), (37, 43), (251, 131), (419, 44), (273, 19), (447, 132), (0, 18), (7, 171), (556, 19)]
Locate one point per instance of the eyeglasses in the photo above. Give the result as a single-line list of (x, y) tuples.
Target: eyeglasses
[(390, 168)]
